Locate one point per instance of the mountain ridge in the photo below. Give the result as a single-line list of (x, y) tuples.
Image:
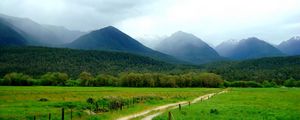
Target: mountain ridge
[(188, 47), (249, 48), (112, 39)]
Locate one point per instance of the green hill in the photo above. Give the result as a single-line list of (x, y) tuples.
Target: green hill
[(39, 60), (269, 68)]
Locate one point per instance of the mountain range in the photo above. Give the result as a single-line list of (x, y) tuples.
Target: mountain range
[(9, 36), (291, 46), (180, 47), (112, 39), (247, 49), (40, 35), (189, 48)]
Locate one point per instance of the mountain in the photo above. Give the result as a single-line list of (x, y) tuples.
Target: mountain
[(226, 47), (189, 48), (9, 36), (37, 34), (40, 60), (66, 35), (291, 46), (247, 49), (112, 39)]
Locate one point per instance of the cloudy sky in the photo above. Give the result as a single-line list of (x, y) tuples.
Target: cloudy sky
[(213, 21)]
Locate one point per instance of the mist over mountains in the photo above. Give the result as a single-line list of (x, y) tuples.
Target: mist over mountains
[(38, 34), (291, 46), (112, 39), (189, 48), (180, 47), (248, 49)]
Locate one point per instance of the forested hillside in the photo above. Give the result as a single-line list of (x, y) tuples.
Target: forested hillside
[(39, 60), (272, 68)]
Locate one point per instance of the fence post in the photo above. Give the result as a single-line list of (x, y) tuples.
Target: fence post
[(62, 114), (179, 106), (170, 116), (34, 117), (189, 103), (49, 117)]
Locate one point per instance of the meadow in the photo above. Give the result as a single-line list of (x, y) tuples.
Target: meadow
[(26, 102), (243, 104)]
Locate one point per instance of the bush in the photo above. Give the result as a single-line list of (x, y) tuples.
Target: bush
[(105, 80), (17, 79), (291, 83), (72, 83), (54, 78), (245, 84), (43, 99), (209, 80), (86, 79), (269, 84)]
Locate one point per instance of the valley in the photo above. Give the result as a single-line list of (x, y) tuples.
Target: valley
[(149, 60)]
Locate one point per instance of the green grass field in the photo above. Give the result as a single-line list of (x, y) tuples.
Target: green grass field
[(244, 104), (23, 102)]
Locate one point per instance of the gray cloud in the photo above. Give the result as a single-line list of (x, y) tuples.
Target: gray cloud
[(212, 20), (75, 14)]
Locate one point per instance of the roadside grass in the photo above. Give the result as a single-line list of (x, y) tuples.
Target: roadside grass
[(23, 102), (244, 104)]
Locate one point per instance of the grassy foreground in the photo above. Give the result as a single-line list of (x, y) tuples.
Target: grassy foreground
[(23, 102), (244, 104)]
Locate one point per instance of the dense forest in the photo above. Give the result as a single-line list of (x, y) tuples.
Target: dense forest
[(275, 69), (68, 67), (36, 61)]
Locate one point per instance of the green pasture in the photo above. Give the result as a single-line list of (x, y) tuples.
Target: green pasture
[(23, 102), (244, 104)]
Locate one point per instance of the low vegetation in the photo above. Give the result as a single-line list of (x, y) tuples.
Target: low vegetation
[(131, 79), (244, 103), (103, 103)]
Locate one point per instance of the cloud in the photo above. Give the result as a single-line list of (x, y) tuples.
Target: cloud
[(212, 20), (75, 14)]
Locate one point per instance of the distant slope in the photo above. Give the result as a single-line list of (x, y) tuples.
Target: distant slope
[(64, 34), (248, 49), (39, 60), (112, 39), (291, 46), (9, 36), (269, 68), (226, 47), (37, 34), (35, 31), (188, 47)]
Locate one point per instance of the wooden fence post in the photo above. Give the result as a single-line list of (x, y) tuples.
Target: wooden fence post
[(170, 116), (49, 117), (34, 117), (62, 114), (179, 106), (189, 103)]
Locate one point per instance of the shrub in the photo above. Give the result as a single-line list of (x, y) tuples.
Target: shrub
[(245, 84), (43, 99), (72, 83), (17, 79), (86, 79), (54, 78), (210, 80)]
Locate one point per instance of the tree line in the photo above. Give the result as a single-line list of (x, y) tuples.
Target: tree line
[(131, 79), (277, 69)]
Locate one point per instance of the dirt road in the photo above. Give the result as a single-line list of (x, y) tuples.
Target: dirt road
[(151, 113)]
